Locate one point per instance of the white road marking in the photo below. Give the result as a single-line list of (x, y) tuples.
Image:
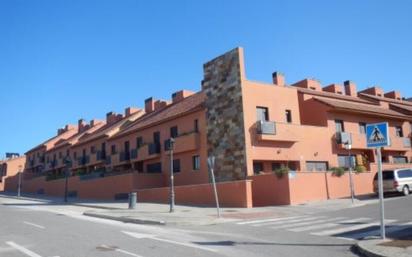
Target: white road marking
[(347, 229), (34, 225), (286, 221), (153, 237), (121, 251), (300, 224), (267, 220), (22, 249), (327, 225)]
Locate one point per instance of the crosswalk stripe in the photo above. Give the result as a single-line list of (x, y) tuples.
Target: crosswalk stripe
[(286, 221), (307, 223), (375, 232), (328, 225), (351, 221), (347, 229), (267, 220)]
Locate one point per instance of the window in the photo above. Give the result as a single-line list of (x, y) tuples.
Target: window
[(139, 166), (262, 113), (362, 127), (405, 174), (84, 152), (400, 159), (174, 132), (156, 137), (316, 166), (74, 155), (113, 149), (139, 142), (176, 165), (93, 149), (339, 126), (257, 167), (288, 114), (345, 161), (60, 155), (154, 168), (103, 154), (196, 125), (196, 162), (68, 152), (399, 131)]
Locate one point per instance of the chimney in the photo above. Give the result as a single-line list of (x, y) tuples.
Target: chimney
[(130, 110), (350, 88), (81, 125), (312, 84), (159, 104), (376, 91), (60, 131), (278, 78), (180, 95), (149, 105), (94, 122), (394, 95), (334, 88), (112, 117), (65, 129)]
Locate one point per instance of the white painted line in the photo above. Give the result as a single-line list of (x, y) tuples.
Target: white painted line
[(314, 227), (347, 229), (121, 251), (328, 225), (34, 225), (22, 249), (377, 231), (153, 237), (267, 220), (286, 221), (300, 224)]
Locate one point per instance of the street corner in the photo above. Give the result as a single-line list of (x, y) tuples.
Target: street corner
[(385, 248)]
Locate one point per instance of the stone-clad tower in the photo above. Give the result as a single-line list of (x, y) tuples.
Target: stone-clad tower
[(222, 84)]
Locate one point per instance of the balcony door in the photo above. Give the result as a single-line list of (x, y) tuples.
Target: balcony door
[(262, 114)]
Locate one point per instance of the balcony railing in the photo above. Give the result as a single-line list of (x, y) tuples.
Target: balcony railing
[(83, 160), (154, 148), (100, 155), (407, 142), (124, 156), (266, 127), (343, 138), (108, 160), (133, 154)]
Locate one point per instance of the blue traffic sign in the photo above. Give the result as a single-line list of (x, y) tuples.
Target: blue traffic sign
[(377, 135)]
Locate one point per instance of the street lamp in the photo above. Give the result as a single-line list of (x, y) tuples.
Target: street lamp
[(348, 147), (172, 189), (19, 185), (67, 163)]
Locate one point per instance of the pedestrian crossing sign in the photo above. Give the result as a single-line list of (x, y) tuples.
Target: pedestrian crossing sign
[(377, 135)]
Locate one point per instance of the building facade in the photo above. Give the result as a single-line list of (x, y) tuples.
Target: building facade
[(258, 132)]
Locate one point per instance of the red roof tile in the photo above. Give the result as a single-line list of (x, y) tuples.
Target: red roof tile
[(332, 95), (386, 99)]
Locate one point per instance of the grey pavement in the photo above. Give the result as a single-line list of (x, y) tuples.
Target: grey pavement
[(48, 227)]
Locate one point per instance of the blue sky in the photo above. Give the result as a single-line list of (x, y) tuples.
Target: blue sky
[(65, 60)]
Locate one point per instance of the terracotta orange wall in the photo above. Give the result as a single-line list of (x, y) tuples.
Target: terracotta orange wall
[(268, 189), (231, 194), (12, 169)]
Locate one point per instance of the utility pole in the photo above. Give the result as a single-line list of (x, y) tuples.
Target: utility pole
[(172, 186), (19, 185), (67, 162), (352, 191)]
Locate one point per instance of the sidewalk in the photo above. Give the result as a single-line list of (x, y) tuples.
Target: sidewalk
[(401, 246), (158, 214)]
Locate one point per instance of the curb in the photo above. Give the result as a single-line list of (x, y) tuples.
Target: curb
[(365, 251), (125, 219)]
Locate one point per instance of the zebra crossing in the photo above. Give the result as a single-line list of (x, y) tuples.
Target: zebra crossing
[(342, 227)]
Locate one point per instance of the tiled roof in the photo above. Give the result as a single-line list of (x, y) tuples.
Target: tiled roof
[(185, 106), (53, 140), (110, 129), (75, 138), (361, 108), (386, 99), (332, 95)]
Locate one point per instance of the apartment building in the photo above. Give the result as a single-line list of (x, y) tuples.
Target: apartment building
[(253, 129), (9, 169)]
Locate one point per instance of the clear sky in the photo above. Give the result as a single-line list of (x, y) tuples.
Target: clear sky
[(61, 60)]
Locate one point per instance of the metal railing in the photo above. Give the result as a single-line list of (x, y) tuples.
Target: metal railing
[(343, 138), (266, 127)]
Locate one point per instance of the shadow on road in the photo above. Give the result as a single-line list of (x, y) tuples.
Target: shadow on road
[(233, 243)]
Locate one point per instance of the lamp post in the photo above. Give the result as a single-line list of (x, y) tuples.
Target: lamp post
[(67, 163), (348, 147), (19, 185), (172, 189)]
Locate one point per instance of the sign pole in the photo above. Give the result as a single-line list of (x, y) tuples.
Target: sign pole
[(381, 202), (211, 162)]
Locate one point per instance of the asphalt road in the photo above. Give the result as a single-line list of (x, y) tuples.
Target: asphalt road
[(28, 229)]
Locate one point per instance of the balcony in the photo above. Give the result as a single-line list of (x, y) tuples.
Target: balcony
[(282, 132), (133, 154), (399, 144), (84, 160), (124, 157), (356, 140), (148, 151), (184, 143)]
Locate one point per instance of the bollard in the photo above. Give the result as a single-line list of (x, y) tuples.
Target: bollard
[(132, 200)]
